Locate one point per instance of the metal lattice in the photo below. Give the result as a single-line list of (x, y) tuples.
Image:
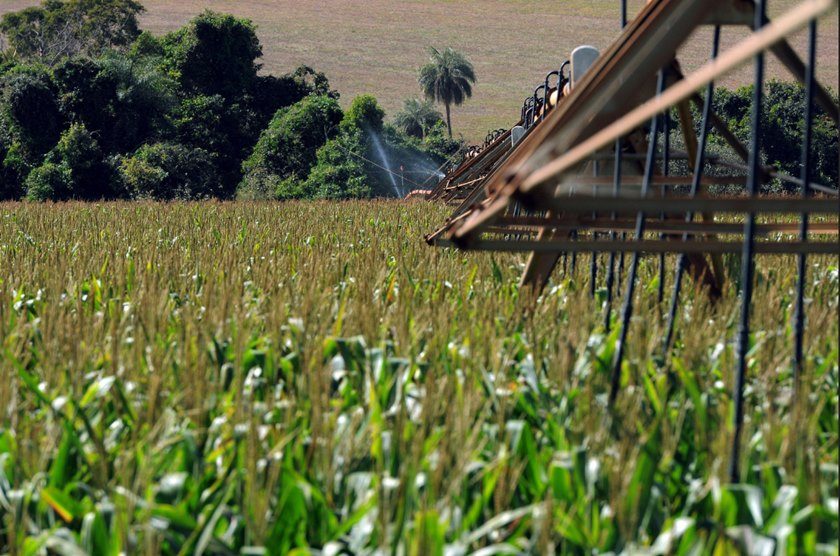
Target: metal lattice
[(589, 168)]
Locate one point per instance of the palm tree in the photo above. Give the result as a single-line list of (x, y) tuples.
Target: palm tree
[(417, 117), (447, 78)]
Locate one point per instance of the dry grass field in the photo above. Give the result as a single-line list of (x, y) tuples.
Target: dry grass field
[(376, 46)]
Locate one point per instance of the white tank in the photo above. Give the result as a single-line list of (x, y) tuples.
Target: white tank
[(516, 134), (582, 59)]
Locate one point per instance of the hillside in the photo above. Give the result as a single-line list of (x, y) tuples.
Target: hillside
[(375, 46)]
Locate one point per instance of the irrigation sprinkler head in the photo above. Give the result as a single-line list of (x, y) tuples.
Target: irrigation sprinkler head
[(548, 89), (538, 102), (528, 111)]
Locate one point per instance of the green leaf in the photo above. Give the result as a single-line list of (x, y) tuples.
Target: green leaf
[(641, 483), (66, 508), (176, 516), (61, 469), (95, 538)]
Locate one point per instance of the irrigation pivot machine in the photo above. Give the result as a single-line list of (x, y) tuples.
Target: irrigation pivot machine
[(589, 168)]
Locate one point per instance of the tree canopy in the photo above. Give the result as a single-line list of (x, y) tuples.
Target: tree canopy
[(448, 78), (214, 54), (286, 150), (118, 113), (417, 117), (58, 29)]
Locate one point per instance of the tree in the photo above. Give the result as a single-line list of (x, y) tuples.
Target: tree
[(417, 117), (32, 111), (79, 152), (286, 150), (49, 182), (106, 24), (782, 123), (215, 54), (447, 78), (12, 170), (145, 96), (167, 171), (74, 169), (225, 130), (364, 113), (440, 146), (58, 29), (314, 81), (341, 170), (366, 158), (89, 96), (337, 174), (271, 93)]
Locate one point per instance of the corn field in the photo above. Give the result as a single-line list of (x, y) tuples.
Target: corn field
[(311, 378)]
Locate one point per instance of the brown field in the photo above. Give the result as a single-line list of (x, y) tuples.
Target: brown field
[(376, 46)]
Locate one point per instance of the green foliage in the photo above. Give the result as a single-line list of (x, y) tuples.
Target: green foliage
[(170, 171), (194, 90), (59, 28), (8, 59), (439, 145), (13, 169), (89, 95), (226, 103), (252, 378), (369, 159), (447, 78), (222, 129), (123, 102), (286, 150), (31, 107), (338, 174), (314, 82), (417, 118), (78, 150), (144, 98), (782, 124), (272, 93), (200, 121), (365, 114), (146, 45), (214, 54), (49, 181), (74, 169)]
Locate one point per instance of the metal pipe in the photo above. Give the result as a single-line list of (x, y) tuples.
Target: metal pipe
[(649, 246), (546, 87), (747, 269), (666, 163), (799, 318), (528, 114), (537, 101), (699, 163), (593, 263), (627, 310), (616, 187), (613, 236)]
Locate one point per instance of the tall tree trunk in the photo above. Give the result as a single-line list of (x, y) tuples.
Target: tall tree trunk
[(448, 120)]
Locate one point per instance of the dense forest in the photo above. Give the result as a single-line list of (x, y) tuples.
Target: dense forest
[(92, 107)]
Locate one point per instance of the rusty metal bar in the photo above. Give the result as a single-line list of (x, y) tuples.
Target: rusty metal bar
[(696, 180), (747, 266), (728, 205), (627, 309), (799, 317), (650, 246)]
